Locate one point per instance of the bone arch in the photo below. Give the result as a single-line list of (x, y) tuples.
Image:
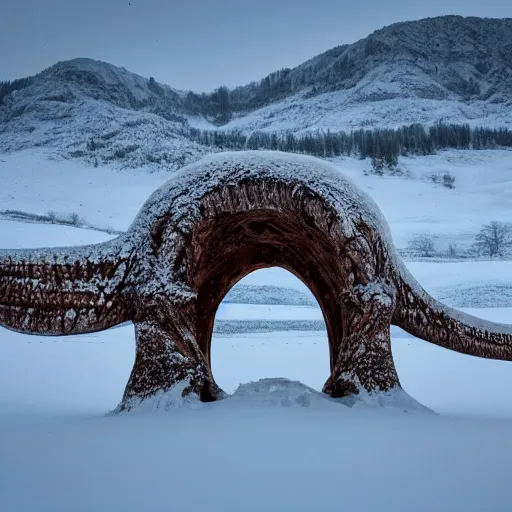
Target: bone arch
[(218, 220)]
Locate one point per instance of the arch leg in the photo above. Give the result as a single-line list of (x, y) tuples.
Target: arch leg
[(364, 360), (168, 365)]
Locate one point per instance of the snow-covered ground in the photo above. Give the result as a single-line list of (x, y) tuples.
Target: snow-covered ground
[(37, 182), (274, 445), (412, 204)]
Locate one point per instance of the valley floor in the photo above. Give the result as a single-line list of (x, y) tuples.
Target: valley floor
[(272, 446)]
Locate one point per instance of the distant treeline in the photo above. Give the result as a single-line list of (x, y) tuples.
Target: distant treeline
[(220, 105), (13, 85), (384, 145)]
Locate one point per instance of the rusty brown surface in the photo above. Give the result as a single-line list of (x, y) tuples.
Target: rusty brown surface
[(42, 296)]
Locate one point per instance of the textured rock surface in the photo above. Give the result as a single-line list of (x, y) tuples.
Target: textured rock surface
[(196, 236)]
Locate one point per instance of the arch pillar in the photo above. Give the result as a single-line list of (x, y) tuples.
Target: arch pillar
[(173, 344), (364, 360), (168, 357)]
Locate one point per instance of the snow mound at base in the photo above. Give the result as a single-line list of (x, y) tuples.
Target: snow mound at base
[(280, 393)]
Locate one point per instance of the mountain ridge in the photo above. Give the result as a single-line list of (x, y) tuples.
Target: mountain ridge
[(450, 68)]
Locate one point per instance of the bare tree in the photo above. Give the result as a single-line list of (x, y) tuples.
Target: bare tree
[(448, 180), (494, 238), (423, 245), (453, 250), (52, 216), (75, 219)]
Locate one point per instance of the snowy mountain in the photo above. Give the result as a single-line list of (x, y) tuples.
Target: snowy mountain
[(93, 110), (449, 68)]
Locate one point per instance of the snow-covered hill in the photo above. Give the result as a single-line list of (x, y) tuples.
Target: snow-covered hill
[(450, 68), (447, 68), (100, 113)]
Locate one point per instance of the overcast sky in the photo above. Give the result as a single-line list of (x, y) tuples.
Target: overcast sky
[(201, 44)]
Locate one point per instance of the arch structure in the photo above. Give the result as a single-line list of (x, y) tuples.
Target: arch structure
[(216, 221)]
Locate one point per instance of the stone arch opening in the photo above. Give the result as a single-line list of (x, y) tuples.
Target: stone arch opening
[(258, 239), (279, 337)]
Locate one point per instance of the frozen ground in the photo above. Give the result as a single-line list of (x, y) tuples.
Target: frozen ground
[(274, 445)]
